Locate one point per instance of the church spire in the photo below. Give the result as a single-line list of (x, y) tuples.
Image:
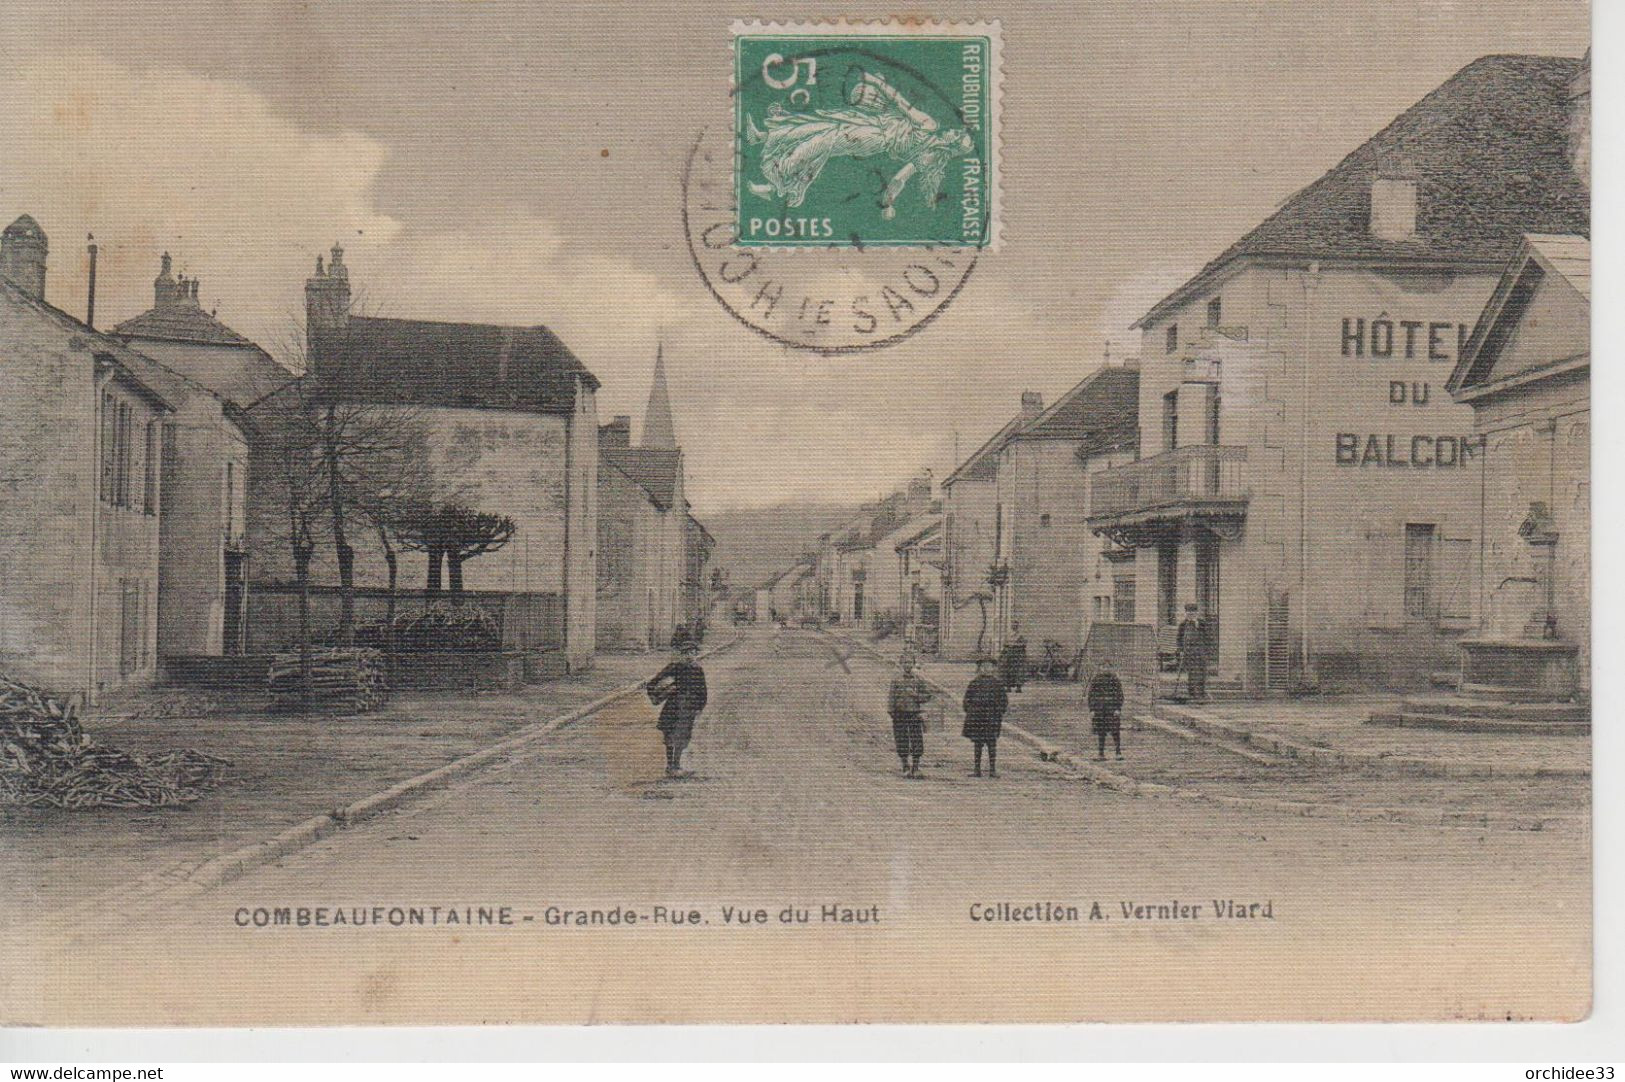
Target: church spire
[(657, 427)]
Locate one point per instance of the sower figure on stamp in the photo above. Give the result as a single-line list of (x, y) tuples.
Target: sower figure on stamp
[(1106, 709), (985, 704), (680, 690), (1191, 645), (909, 693), (1013, 659)]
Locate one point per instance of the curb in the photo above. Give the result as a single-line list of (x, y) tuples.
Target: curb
[(1287, 748), (182, 880), (1122, 783)]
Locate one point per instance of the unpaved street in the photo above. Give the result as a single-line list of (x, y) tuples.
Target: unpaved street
[(796, 808)]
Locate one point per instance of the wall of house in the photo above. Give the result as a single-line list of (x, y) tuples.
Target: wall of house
[(1043, 491), (126, 566), (235, 372), (1321, 384), (47, 492), (626, 523), (580, 570), (194, 529), (968, 534)]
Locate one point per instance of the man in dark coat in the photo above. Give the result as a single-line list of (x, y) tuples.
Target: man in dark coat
[(985, 704), (1191, 643), (904, 702), (1106, 709), (1013, 659), (680, 690)]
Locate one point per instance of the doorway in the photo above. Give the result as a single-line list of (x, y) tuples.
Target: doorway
[(231, 638), (1207, 592)]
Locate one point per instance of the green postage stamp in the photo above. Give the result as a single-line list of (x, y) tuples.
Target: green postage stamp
[(855, 135)]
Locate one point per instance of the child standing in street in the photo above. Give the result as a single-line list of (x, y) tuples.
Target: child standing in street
[(909, 693), (985, 704), (1106, 707)]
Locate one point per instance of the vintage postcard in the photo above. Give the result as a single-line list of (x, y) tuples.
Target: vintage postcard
[(661, 513)]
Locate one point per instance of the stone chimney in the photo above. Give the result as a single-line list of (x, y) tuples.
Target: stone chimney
[(1032, 404), (164, 290), (1393, 199), (1579, 103), (617, 434), (23, 247), (327, 300)]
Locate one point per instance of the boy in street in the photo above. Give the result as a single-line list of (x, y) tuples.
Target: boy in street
[(680, 690), (1106, 708), (985, 704), (909, 693)]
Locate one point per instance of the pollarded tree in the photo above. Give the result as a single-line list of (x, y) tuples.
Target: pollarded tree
[(467, 533)]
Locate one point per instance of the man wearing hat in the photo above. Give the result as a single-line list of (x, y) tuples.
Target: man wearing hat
[(679, 688), (1191, 646)]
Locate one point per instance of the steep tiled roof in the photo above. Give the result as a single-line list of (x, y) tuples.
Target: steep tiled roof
[(181, 323), (654, 470), (1490, 151), (1100, 413), (420, 362)]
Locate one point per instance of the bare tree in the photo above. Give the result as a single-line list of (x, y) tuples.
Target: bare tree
[(289, 498), (374, 460)]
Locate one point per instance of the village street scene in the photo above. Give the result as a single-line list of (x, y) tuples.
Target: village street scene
[(422, 646)]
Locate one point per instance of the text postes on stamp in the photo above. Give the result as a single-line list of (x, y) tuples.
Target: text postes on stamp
[(869, 135)]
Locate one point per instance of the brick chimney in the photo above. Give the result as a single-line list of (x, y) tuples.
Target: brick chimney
[(1032, 404), (23, 248), (616, 434), (1394, 199), (327, 300)]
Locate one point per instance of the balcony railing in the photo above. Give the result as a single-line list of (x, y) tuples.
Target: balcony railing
[(1201, 477)]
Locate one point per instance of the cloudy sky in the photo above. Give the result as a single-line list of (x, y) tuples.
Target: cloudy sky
[(519, 162)]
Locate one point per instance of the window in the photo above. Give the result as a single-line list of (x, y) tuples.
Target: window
[(1170, 420), (1173, 338), (1103, 608), (118, 423), (1419, 569), (1123, 598), (149, 478), (1215, 311), (1043, 520)]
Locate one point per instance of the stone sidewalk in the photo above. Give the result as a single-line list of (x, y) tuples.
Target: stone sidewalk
[(285, 769), (1333, 724)]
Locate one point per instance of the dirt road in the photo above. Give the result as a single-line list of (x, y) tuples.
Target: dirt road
[(796, 876)]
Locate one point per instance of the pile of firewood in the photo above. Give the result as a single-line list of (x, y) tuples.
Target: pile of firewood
[(344, 680), (47, 760)]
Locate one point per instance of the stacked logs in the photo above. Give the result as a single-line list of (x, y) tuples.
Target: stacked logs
[(47, 760), (344, 680)]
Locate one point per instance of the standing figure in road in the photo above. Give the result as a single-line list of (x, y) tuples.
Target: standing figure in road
[(1013, 659), (909, 693), (1106, 709), (1191, 645), (679, 688), (985, 704)]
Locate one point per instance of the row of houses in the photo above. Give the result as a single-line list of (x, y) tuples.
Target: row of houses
[(134, 540), (1336, 442)]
